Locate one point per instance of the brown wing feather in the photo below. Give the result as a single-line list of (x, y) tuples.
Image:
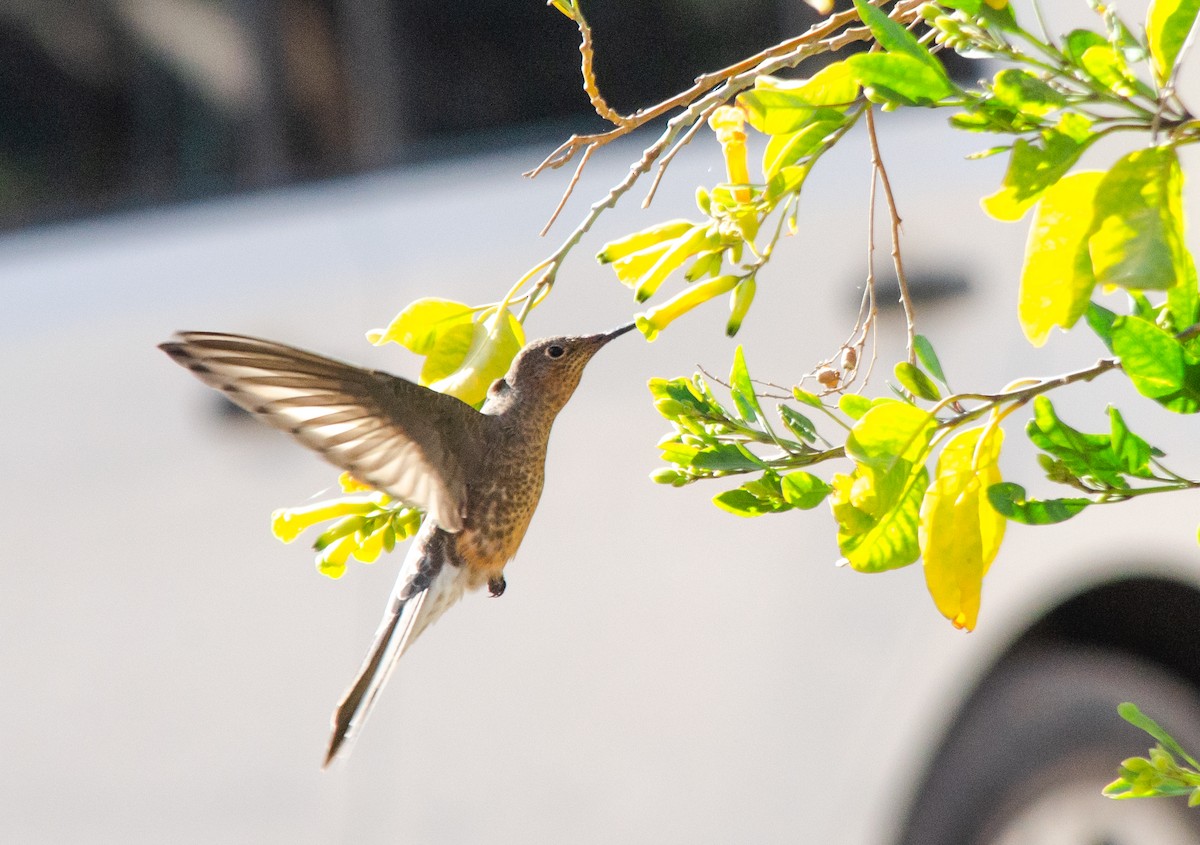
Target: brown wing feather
[(407, 440)]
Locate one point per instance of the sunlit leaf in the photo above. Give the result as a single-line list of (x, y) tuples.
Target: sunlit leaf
[(1168, 23), (798, 424), (891, 431), (804, 490), (877, 512), (787, 149), (1026, 93), (421, 324), (897, 40), (741, 389), (495, 342), (1108, 67), (928, 357), (1011, 501), (1057, 279), (1032, 168), (1157, 364), (780, 107), (916, 382), (960, 533), (899, 79), (1137, 237)]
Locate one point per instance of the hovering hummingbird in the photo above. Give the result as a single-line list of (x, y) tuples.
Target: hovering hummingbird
[(477, 474)]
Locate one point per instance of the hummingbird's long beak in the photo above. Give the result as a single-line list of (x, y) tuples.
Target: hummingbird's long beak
[(617, 332)]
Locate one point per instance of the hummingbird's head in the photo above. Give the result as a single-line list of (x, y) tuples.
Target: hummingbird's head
[(546, 372)]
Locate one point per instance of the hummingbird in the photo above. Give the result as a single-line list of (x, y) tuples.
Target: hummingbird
[(476, 474)]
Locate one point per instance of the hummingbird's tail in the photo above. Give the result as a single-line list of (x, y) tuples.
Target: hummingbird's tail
[(427, 586)]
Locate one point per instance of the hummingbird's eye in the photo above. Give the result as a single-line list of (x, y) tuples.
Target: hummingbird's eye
[(555, 351)]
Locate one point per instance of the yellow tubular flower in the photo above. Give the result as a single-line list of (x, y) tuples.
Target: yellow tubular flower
[(729, 123), (651, 322)]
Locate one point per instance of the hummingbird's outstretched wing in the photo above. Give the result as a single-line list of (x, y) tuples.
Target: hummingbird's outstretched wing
[(426, 587), (409, 441)]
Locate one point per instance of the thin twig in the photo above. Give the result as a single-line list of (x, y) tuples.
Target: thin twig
[(910, 316), (666, 160), (704, 83), (589, 76), (1022, 395), (567, 193), (733, 85)]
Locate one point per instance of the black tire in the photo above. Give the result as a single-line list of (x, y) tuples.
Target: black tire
[(1025, 761)]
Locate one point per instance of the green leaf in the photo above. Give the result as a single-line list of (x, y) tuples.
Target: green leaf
[(680, 392), (804, 490), (1026, 93), (1084, 455), (1137, 238), (877, 512), (1032, 168), (727, 457), (1132, 454), (898, 79), (852, 405), (971, 7), (741, 389), (1101, 321), (1010, 501), (1183, 303), (891, 431), (1107, 458), (928, 357), (754, 498), (896, 39), (779, 107), (1131, 714), (787, 149), (798, 424), (1157, 364), (811, 399), (428, 324), (1057, 279), (1108, 67), (916, 382), (1168, 23), (1079, 41)]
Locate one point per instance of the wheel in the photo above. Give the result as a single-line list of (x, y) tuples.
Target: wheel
[(1026, 759)]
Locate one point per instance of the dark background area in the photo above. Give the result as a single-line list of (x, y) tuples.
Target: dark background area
[(110, 105)]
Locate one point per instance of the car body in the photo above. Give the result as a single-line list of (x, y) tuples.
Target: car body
[(658, 670)]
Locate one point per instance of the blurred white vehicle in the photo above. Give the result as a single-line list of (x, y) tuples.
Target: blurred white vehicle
[(658, 671)]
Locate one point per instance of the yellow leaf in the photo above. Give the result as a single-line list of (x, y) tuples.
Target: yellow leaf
[(419, 326), (494, 344), (959, 531), (1058, 280)]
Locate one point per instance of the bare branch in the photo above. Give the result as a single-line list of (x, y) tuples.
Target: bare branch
[(910, 317)]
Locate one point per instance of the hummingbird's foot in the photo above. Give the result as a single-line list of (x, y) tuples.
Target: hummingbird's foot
[(496, 586)]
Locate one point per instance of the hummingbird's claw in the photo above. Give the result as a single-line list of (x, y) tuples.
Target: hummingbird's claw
[(496, 586)]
